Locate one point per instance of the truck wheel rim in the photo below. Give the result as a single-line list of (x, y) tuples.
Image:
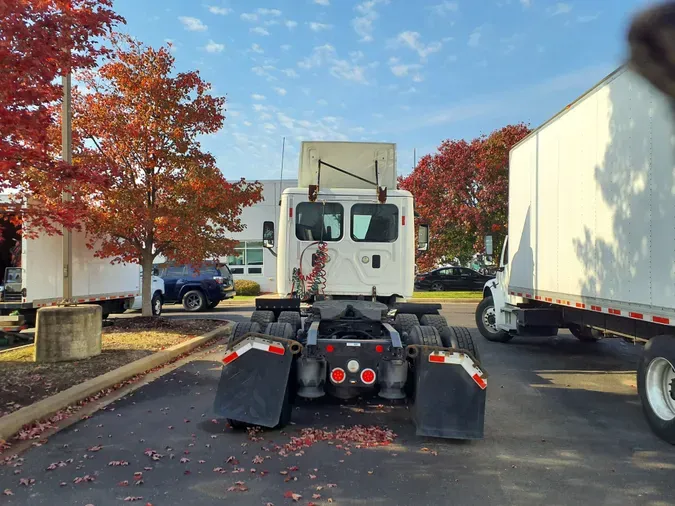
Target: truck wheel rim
[(660, 388), (489, 319), (193, 301)]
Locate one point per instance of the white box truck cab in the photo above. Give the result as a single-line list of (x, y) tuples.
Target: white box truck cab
[(340, 324), (592, 233)]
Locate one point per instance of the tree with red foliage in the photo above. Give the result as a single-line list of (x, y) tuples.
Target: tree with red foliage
[(462, 193), (40, 41), (138, 124)]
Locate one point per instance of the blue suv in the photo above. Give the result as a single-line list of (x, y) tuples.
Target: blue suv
[(197, 288)]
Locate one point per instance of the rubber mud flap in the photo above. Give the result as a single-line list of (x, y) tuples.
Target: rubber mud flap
[(253, 385), (449, 403)]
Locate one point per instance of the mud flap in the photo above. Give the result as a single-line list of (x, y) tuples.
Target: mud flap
[(254, 380), (450, 393)]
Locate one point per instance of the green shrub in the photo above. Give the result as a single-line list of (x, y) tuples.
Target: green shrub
[(246, 287)]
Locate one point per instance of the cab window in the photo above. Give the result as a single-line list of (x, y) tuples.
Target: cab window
[(317, 221), (374, 222)]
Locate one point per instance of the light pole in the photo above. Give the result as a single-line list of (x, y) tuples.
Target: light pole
[(67, 156)]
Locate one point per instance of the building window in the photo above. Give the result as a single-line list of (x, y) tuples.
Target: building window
[(317, 221), (374, 222), (247, 254)]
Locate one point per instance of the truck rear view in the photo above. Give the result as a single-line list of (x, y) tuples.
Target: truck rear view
[(340, 325), (592, 241)]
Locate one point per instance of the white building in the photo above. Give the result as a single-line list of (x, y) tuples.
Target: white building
[(252, 261)]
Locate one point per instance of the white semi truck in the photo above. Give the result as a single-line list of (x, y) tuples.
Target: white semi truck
[(591, 244), (346, 247), (31, 271)]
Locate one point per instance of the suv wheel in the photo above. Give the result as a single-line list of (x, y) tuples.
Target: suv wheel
[(194, 301)]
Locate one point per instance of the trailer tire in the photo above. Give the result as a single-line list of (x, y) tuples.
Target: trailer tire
[(283, 329), (404, 322), (194, 301), (291, 317), (242, 328), (462, 336), (434, 320), (424, 335), (263, 318), (485, 313), (585, 334), (656, 385)]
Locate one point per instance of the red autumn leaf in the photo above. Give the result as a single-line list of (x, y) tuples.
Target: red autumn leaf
[(312, 476), (292, 495), (7, 492), (95, 448), (184, 460), (331, 485), (132, 498), (316, 496), (124, 483)]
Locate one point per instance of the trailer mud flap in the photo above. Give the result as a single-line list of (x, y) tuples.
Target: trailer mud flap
[(254, 380), (450, 393)]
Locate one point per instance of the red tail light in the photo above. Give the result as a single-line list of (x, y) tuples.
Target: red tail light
[(368, 376), (421, 278), (379, 348), (338, 375), (330, 348)]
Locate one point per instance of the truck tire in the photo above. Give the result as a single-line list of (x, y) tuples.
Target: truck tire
[(424, 335), (242, 328), (291, 317), (282, 329), (404, 322), (583, 333), (656, 385), (263, 318), (156, 304), (485, 321), (194, 301), (462, 336), (434, 320)]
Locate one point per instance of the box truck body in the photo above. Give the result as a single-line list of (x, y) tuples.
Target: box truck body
[(591, 243)]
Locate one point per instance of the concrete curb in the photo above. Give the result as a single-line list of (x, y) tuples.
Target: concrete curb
[(12, 423)]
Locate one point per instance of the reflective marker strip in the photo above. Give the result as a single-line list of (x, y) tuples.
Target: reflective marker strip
[(444, 357), (251, 344)]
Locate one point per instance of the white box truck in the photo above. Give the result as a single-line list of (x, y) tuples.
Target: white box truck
[(591, 243), (32, 275)]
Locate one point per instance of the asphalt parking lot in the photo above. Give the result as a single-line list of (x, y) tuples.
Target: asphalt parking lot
[(563, 426)]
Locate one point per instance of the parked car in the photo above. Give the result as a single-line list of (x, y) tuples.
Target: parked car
[(157, 289), (197, 288), (451, 278)]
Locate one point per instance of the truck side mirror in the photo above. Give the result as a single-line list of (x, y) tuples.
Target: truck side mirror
[(268, 234), (155, 271), (423, 237)]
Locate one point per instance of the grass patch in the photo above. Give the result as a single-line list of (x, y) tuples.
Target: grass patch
[(23, 382), (447, 295)]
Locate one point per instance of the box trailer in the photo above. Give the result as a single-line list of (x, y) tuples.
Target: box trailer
[(591, 223), (32, 275)]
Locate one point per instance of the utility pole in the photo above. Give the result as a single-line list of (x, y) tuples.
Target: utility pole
[(67, 156)]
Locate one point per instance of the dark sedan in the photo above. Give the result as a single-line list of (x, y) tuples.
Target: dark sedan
[(451, 279)]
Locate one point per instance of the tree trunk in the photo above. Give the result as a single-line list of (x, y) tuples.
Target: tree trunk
[(146, 290)]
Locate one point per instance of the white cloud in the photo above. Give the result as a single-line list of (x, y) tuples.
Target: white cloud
[(356, 55), (269, 127), (257, 49), (260, 31), (258, 107), (412, 40), (248, 123), (285, 47), (317, 27), (444, 8), (290, 24), (258, 97), (249, 16), (281, 91), (193, 24), (560, 8), (401, 69), (319, 55), (322, 102), (214, 47), (268, 12), (290, 73), (322, 2), (363, 24), (474, 38), (418, 78), (526, 3), (223, 11), (341, 69), (588, 18)]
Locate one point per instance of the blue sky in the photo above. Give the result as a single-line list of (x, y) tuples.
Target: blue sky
[(410, 72)]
